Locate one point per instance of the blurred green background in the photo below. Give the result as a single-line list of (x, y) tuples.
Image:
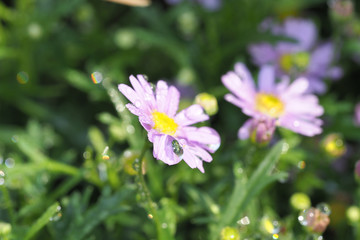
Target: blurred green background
[(55, 123)]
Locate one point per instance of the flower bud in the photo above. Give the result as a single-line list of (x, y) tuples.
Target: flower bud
[(262, 130), (342, 9), (230, 233), (208, 102), (314, 220), (353, 214), (5, 228), (300, 201), (333, 145)]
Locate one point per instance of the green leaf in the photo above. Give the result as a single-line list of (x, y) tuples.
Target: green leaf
[(42, 221)]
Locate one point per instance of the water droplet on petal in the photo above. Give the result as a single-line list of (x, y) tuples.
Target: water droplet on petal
[(214, 147), (10, 163), (137, 104), (296, 123), (244, 221), (324, 208), (177, 149), (96, 77)]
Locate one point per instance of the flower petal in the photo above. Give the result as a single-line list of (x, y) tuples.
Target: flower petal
[(244, 131), (191, 115), (203, 135), (267, 79)]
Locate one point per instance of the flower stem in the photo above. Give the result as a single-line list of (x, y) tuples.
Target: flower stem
[(150, 205), (9, 204)]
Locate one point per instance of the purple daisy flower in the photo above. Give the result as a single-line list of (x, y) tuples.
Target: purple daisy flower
[(170, 132), (288, 104), (297, 59)]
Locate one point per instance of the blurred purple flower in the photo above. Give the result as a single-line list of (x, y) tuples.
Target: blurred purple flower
[(302, 58), (171, 134), (287, 103), (357, 115), (208, 4)]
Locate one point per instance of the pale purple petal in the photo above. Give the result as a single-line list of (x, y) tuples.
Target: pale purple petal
[(163, 149), (266, 79), (130, 94), (244, 74), (173, 98), (244, 131), (161, 96), (321, 57), (191, 115), (232, 82), (334, 73), (297, 88), (147, 88), (262, 53), (303, 31), (137, 87), (316, 85), (189, 158), (357, 115), (296, 124), (304, 105), (203, 135)]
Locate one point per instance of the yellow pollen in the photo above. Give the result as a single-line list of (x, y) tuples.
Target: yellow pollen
[(269, 105), (164, 124)]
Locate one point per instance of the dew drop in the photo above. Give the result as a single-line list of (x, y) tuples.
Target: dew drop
[(136, 164), (177, 149), (22, 77), (137, 104), (285, 148), (324, 208), (150, 216), (301, 164), (307, 216), (14, 139), (164, 225), (244, 221), (10, 163), (86, 155), (214, 147), (2, 181), (296, 124), (130, 129), (96, 77)]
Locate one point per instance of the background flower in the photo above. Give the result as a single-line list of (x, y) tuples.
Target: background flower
[(288, 103), (300, 56)]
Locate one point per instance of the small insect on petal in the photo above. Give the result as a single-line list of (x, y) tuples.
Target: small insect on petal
[(134, 3)]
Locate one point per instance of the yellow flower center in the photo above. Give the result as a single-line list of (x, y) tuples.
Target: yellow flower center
[(269, 104), (297, 61), (163, 123)]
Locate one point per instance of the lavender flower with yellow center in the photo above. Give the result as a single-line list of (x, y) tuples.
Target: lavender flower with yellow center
[(170, 132), (287, 104), (299, 58)]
